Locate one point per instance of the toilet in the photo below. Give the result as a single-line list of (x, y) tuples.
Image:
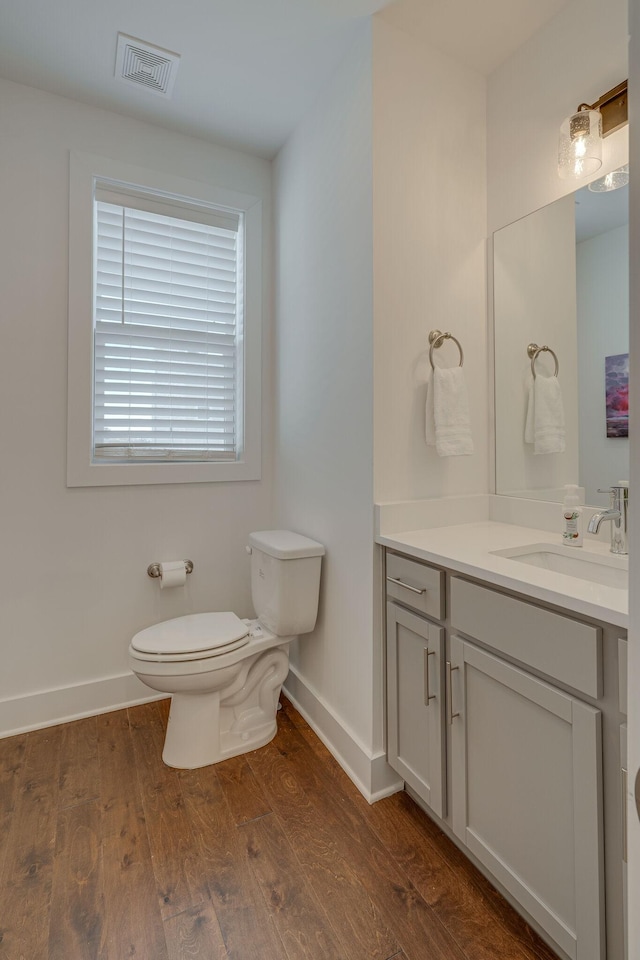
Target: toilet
[(224, 674)]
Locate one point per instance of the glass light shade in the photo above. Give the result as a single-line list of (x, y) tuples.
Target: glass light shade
[(580, 146), (611, 181)]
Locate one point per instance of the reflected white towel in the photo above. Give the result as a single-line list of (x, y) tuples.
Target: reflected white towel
[(544, 427), (447, 421)]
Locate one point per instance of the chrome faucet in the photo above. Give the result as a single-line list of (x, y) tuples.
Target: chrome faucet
[(618, 514)]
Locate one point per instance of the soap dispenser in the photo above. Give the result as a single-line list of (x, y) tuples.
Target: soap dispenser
[(572, 512)]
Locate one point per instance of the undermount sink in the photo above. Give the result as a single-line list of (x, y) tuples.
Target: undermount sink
[(608, 571)]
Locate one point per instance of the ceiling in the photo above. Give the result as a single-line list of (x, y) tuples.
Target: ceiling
[(600, 212), (480, 33), (249, 68)]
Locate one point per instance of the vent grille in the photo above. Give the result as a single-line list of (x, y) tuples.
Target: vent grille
[(147, 66)]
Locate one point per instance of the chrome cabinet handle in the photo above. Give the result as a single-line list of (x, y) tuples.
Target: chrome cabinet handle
[(450, 670), (407, 586), (428, 697), (624, 814)]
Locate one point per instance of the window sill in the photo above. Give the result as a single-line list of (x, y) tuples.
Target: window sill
[(124, 474), (85, 170)]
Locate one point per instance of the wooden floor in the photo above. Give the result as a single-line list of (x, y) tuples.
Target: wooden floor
[(106, 853)]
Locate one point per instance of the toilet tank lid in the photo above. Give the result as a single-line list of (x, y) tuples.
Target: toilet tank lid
[(285, 545)]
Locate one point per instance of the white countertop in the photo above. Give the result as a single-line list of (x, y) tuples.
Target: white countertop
[(467, 548)]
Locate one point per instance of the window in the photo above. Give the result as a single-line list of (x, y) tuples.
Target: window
[(170, 327), (168, 332)]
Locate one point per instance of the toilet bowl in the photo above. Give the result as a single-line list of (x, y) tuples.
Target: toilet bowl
[(224, 674)]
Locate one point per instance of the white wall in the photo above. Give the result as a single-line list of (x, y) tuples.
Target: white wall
[(380, 237), (324, 391), (576, 57), (603, 331), (73, 565), (534, 263), (429, 183)]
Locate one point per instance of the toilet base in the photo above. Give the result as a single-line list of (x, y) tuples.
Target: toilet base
[(207, 727)]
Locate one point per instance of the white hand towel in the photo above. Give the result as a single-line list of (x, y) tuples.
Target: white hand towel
[(544, 427), (447, 421)]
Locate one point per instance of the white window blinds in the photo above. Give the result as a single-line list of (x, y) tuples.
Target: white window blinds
[(168, 326)]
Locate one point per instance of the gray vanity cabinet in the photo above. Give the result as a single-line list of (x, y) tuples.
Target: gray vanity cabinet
[(415, 730), (415, 677), (525, 793), (503, 718)]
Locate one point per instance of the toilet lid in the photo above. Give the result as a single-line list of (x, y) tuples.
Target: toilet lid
[(196, 635)]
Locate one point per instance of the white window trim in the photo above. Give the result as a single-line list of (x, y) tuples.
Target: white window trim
[(85, 169)]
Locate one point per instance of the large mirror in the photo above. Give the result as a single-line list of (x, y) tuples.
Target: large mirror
[(561, 279)]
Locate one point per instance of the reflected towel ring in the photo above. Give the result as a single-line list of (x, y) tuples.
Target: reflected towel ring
[(436, 339), (533, 350)]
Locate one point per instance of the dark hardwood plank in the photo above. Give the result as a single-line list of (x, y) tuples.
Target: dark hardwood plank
[(133, 926), (404, 911), (25, 888), (195, 934), (503, 916), (288, 860), (293, 715), (164, 706), (247, 928), (12, 756), (180, 881), (304, 927), (77, 907), (333, 874), (474, 912), (79, 765), (242, 792), (462, 909), (474, 924)]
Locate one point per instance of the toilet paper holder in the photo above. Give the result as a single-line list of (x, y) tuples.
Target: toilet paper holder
[(153, 570)]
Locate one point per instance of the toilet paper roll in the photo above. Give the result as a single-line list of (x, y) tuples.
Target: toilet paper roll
[(173, 573)]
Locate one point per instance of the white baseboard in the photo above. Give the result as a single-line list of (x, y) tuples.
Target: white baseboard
[(46, 708), (371, 773)]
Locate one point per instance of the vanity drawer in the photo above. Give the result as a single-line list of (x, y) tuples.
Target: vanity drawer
[(416, 585), (565, 649)]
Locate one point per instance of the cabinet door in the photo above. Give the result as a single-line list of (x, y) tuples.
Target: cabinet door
[(527, 793), (415, 704)]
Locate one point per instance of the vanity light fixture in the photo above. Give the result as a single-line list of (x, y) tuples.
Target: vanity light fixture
[(580, 146), (611, 181)]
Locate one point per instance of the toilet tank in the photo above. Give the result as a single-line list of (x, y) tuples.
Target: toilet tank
[(285, 580)]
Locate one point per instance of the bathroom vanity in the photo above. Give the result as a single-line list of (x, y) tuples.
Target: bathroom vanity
[(506, 702)]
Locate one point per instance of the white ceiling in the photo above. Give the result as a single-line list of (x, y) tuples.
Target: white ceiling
[(600, 212), (480, 33), (249, 68)]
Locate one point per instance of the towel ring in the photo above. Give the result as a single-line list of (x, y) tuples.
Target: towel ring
[(436, 339), (533, 350)]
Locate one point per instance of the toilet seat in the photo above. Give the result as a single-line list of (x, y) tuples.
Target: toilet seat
[(193, 637)]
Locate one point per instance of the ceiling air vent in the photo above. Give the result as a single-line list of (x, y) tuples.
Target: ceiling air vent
[(145, 65)]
